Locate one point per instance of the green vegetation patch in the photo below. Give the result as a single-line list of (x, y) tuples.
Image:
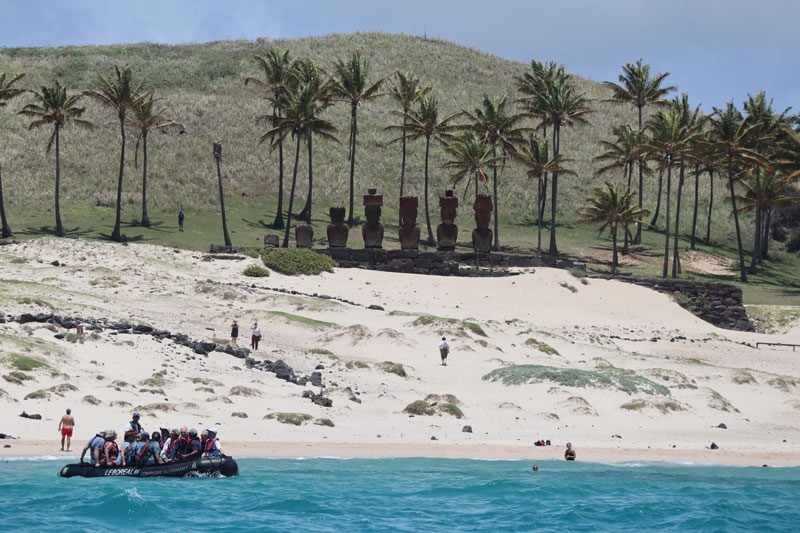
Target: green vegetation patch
[(91, 400), (17, 378), (27, 300), (433, 404), (156, 380), (298, 262), (783, 383), (25, 363), (672, 377), (164, 407), (295, 419), (327, 422), (255, 271), (206, 381), (743, 377), (303, 320), (321, 351), (666, 405), (772, 318), (356, 364), (541, 346), (605, 378), (241, 390), (719, 402), (393, 368), (446, 325)]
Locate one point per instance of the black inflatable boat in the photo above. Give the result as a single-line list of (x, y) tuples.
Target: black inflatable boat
[(207, 466)]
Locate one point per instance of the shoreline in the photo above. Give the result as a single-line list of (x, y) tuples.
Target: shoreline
[(397, 450)]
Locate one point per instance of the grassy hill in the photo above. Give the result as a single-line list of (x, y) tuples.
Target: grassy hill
[(202, 84)]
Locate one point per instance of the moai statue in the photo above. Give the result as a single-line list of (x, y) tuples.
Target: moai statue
[(447, 231), (409, 229), (482, 235), (337, 229), (304, 235), (373, 229)]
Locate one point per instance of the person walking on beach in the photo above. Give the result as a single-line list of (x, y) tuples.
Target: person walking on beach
[(255, 336), (234, 333), (444, 349), (181, 217), (65, 426)]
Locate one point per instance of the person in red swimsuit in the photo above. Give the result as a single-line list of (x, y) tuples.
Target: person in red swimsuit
[(65, 427)]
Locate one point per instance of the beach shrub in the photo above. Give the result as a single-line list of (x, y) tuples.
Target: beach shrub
[(603, 378), (450, 409), (743, 377), (255, 271), (91, 400), (569, 287), (419, 408), (303, 320), (783, 383), (164, 407), (241, 390), (541, 346), (17, 378), (119, 403), (295, 419), (461, 326), (206, 381), (298, 261), (356, 364), (664, 406), (327, 422), (719, 402), (25, 363), (432, 405), (393, 368), (156, 380), (41, 394)]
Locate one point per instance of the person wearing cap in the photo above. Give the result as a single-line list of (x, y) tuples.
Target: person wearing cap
[(110, 451), (211, 446), (94, 446), (193, 448), (133, 428)]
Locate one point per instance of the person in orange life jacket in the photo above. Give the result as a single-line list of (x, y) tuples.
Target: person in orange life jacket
[(133, 428), (110, 451), (167, 451), (211, 446), (193, 449)]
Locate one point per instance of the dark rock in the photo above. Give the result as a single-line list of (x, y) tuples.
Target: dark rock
[(722, 426), (239, 414), (55, 263), (434, 438), (376, 307), (713, 446), (142, 328), (466, 429), (59, 336), (316, 379)]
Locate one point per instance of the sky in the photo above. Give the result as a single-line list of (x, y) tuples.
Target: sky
[(715, 50)]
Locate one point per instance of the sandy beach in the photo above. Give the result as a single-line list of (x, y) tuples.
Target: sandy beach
[(622, 372)]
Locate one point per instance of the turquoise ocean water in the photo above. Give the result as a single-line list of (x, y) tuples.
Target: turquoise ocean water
[(407, 495)]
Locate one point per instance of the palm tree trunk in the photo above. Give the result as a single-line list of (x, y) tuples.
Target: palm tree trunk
[(614, 257), (543, 200), (553, 251), (539, 187), (310, 175), (427, 212), (625, 246), (658, 199), (638, 238), (59, 225), (403, 164), (742, 271), (291, 194), (6, 229), (675, 258), (765, 236), (757, 235), (116, 235), (351, 221), (665, 270), (696, 205), (710, 203), (145, 219), (278, 222), (226, 236), (496, 202)]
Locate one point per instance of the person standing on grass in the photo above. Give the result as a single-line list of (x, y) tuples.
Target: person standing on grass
[(181, 217), (234, 334), (65, 426), (444, 350), (255, 336)]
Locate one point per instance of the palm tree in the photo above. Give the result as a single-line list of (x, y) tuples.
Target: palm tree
[(406, 90), (767, 126), (275, 67), (729, 140), (611, 207), (637, 87), (118, 93), (560, 103), (622, 154), (54, 106), (351, 85), (498, 128), (533, 157), (530, 85), (773, 191), (470, 155), (217, 160), (7, 92), (424, 122), (302, 103), (147, 116), (667, 141)]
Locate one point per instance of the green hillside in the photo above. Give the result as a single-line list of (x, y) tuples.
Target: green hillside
[(202, 85)]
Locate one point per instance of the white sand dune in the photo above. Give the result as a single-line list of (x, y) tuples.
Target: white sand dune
[(546, 318)]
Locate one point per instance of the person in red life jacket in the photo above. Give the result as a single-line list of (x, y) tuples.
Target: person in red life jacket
[(151, 454), (211, 447), (168, 449), (193, 448), (110, 451)]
